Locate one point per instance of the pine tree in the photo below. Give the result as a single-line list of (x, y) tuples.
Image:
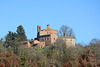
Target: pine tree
[(12, 41), (9, 41), (21, 33)]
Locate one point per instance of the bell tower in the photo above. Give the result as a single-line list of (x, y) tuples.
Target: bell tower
[(38, 31), (38, 28)]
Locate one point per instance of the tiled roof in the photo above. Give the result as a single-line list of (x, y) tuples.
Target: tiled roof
[(48, 29)]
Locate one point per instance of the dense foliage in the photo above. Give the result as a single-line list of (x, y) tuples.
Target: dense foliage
[(95, 44), (57, 55), (13, 39)]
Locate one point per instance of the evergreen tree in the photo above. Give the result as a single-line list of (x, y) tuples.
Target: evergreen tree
[(9, 41), (1, 46), (12, 41), (21, 33), (16, 42), (1, 43)]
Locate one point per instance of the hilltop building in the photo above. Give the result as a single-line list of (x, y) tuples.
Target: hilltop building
[(48, 36)]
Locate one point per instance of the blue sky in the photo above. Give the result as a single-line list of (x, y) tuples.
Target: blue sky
[(83, 16)]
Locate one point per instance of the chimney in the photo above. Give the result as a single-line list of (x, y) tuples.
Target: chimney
[(48, 26), (38, 28), (64, 34)]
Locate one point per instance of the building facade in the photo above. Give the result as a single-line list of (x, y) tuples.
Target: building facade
[(70, 41), (32, 44), (47, 35)]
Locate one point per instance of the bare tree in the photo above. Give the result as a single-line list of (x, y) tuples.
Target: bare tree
[(79, 45), (65, 29)]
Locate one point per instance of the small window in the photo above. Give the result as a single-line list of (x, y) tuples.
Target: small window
[(42, 39), (47, 38)]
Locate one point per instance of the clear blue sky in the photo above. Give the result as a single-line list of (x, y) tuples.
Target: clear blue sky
[(83, 16)]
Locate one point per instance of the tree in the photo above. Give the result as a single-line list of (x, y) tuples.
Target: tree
[(65, 29), (95, 44), (8, 38), (56, 53), (1, 46), (79, 45), (21, 33), (13, 41)]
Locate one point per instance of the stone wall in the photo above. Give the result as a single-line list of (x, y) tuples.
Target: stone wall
[(53, 38), (70, 41), (43, 33), (46, 39)]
